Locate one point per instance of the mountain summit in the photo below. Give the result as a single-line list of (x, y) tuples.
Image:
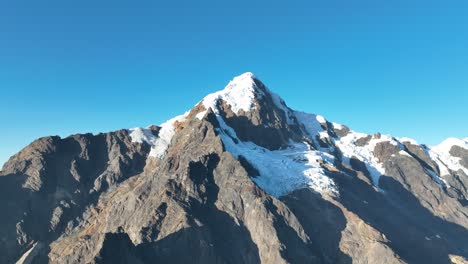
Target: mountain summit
[(239, 178), (241, 93)]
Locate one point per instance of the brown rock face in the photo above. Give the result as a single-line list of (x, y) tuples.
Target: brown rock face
[(105, 199), (47, 185)]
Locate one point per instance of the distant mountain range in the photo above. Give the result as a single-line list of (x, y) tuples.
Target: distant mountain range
[(239, 178)]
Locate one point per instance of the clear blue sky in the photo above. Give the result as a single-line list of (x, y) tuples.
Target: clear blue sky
[(399, 67)]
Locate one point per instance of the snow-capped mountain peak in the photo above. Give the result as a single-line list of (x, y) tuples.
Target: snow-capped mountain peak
[(290, 149), (240, 94), (249, 174)]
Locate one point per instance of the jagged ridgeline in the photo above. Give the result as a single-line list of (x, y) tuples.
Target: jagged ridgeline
[(240, 178)]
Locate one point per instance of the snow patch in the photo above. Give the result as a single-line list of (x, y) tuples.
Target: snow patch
[(337, 126), (321, 119), (404, 153), (160, 144), (313, 128), (165, 136), (201, 115), (324, 135), (444, 170), (410, 140), (140, 135)]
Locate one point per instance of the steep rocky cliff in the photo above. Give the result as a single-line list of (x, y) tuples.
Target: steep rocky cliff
[(240, 178)]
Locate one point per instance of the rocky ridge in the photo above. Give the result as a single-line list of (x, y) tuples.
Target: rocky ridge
[(240, 178)]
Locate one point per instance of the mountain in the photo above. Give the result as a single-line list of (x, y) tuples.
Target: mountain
[(240, 178)]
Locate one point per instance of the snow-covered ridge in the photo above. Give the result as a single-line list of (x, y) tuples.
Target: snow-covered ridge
[(446, 145), (406, 139), (365, 153), (346, 144), (445, 161), (350, 149)]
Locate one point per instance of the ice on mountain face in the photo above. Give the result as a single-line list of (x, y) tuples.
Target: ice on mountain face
[(445, 161), (310, 122), (282, 171), (365, 153), (240, 94), (165, 136), (313, 124), (160, 144)]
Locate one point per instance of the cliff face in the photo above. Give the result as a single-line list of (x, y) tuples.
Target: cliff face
[(50, 183), (241, 178)]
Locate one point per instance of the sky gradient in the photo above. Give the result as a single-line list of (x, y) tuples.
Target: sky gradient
[(398, 67)]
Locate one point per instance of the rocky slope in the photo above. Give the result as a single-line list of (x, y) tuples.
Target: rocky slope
[(240, 178)]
